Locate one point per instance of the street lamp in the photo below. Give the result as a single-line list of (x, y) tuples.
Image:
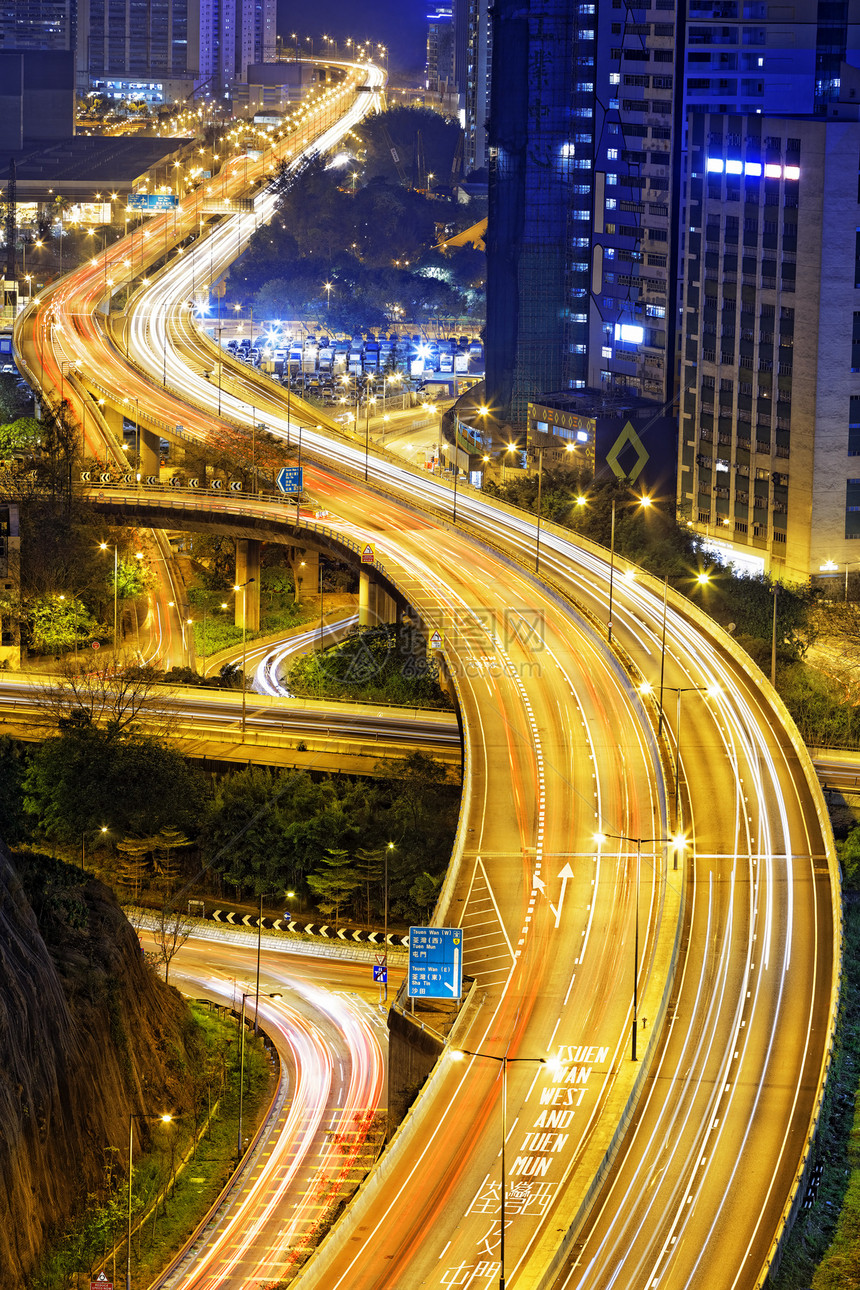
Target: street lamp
[(74, 606), (678, 843), (103, 546), (713, 692), (645, 502), (133, 1115), (328, 286), (457, 1055), (242, 586), (388, 851)]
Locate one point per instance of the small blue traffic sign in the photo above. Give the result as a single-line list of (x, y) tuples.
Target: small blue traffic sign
[(435, 962), (380, 974), (290, 479)]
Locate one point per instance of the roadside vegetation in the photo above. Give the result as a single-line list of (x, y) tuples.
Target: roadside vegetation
[(176, 1178), (368, 228), (383, 664), (129, 809)]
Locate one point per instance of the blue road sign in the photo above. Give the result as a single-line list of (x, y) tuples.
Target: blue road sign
[(152, 203), (290, 479), (380, 974), (435, 962)]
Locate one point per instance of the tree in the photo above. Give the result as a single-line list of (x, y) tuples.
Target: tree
[(13, 825), (58, 622), (115, 697), (171, 931), (86, 778), (334, 882)]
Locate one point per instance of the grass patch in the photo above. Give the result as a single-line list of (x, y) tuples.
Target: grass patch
[(219, 633), (167, 1201), (382, 664), (823, 1251)]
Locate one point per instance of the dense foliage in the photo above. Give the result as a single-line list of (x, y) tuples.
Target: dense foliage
[(384, 664), (369, 237), (274, 831)]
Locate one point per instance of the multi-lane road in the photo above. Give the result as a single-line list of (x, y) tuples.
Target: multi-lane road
[(562, 750)]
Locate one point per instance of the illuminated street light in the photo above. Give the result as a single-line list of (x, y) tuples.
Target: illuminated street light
[(165, 1119), (457, 1055), (678, 842)]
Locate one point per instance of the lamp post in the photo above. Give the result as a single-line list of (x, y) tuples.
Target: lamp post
[(645, 502), (611, 572), (133, 1115), (103, 546), (242, 586), (62, 596), (388, 851), (540, 482), (504, 1061), (103, 829), (241, 1075), (713, 692), (775, 593), (678, 843)]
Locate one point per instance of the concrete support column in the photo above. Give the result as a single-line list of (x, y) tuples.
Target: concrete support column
[(308, 573), (247, 602), (114, 420), (365, 593), (386, 609), (150, 459)]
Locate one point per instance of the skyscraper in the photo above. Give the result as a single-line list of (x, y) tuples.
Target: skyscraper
[(169, 50), (582, 128), (440, 49), (38, 24), (473, 51), (587, 135)]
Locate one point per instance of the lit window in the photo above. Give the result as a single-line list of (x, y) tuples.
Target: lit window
[(611, 179), (734, 168), (614, 78), (715, 165), (791, 172), (752, 168), (582, 436), (611, 203), (611, 154), (772, 172), (629, 333), (606, 351)]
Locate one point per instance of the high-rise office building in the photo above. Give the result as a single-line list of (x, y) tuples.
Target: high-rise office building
[(473, 53), (770, 366), (169, 51), (580, 264), (587, 139), (38, 24), (440, 49)]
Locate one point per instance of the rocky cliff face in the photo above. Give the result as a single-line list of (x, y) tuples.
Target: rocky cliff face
[(88, 1033)]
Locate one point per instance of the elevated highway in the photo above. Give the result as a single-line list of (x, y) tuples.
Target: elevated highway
[(560, 746)]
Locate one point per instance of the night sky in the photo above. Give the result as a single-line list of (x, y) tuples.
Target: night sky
[(400, 24)]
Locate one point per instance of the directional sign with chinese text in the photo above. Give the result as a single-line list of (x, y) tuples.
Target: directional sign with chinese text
[(290, 479), (435, 962)]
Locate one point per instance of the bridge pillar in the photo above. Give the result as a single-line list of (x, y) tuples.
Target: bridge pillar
[(247, 602), (386, 608), (307, 573), (150, 459), (113, 418), (366, 600)]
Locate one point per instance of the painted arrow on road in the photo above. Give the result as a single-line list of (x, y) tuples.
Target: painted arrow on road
[(565, 874)]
